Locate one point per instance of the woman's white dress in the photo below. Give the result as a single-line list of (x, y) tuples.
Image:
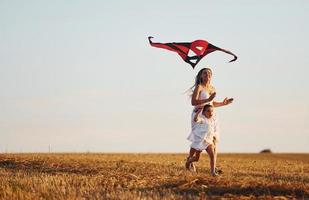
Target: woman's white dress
[(204, 131)]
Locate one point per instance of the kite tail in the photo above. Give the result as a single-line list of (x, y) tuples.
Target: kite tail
[(212, 48), (228, 52), (180, 48), (149, 39)]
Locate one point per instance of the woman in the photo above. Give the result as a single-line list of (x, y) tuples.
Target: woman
[(204, 93)]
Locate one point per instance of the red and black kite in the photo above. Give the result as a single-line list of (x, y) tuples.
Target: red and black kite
[(199, 49)]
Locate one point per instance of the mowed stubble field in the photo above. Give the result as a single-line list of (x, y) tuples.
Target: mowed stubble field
[(152, 176)]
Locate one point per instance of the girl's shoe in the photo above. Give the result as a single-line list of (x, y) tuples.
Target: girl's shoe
[(192, 167), (188, 163)]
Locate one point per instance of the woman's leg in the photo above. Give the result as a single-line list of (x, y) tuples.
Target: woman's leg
[(215, 148), (210, 151), (217, 170), (215, 151)]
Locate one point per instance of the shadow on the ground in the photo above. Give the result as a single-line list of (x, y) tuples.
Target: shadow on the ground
[(200, 186), (275, 177)]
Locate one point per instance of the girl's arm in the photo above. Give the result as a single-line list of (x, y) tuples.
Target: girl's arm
[(196, 114), (225, 102), (195, 101)]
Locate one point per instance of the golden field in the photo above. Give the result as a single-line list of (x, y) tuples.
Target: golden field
[(152, 176)]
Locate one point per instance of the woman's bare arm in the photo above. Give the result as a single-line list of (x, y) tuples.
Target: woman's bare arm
[(225, 102)]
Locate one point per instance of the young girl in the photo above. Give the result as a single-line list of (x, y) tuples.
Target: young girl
[(203, 136)]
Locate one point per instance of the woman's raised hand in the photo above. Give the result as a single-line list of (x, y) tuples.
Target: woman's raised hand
[(227, 101)]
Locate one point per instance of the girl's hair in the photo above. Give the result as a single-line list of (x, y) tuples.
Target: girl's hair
[(198, 79), (206, 107)]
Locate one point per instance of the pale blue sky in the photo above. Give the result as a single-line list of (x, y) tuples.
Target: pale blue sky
[(81, 76)]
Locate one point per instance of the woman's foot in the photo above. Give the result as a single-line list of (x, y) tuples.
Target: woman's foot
[(218, 171), (214, 174)]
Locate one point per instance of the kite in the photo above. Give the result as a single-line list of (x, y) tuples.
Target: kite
[(198, 49)]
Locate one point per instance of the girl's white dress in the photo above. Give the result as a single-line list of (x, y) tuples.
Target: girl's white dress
[(204, 131)]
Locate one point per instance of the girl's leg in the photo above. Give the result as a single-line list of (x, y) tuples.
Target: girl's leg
[(190, 157), (195, 159), (197, 156), (210, 151), (190, 161), (192, 152)]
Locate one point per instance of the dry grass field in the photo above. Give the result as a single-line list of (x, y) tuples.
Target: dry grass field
[(152, 176)]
